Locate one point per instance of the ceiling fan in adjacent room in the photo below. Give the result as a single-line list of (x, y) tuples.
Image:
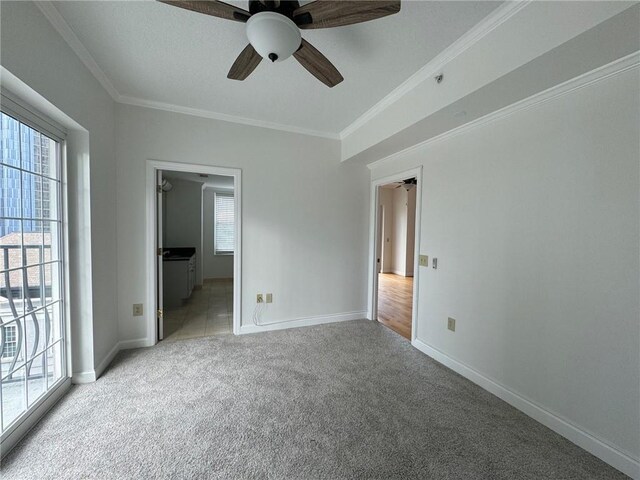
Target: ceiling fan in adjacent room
[(408, 184), (273, 29)]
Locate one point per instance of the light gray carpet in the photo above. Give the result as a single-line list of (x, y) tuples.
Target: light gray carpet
[(349, 400)]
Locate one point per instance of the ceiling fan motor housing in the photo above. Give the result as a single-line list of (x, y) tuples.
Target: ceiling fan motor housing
[(273, 35)]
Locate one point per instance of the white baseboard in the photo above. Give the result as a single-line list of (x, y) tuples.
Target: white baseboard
[(90, 376), (107, 360), (79, 378), (135, 343), (303, 322), (401, 273), (601, 449)]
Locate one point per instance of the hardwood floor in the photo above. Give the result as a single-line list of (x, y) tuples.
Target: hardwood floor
[(395, 302)]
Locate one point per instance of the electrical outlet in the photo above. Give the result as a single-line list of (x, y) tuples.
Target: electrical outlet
[(451, 324), (269, 298), (137, 310), (259, 298), (424, 260)]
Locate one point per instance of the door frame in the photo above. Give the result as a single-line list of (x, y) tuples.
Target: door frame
[(372, 303), (152, 166), (380, 236), (159, 247)]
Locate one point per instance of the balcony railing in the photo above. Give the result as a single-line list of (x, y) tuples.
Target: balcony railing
[(23, 306)]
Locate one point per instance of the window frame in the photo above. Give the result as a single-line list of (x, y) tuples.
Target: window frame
[(14, 107), (231, 195)]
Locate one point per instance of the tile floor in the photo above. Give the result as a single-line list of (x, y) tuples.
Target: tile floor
[(208, 312)]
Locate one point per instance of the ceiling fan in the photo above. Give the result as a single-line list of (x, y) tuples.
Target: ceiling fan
[(273, 29), (408, 184)]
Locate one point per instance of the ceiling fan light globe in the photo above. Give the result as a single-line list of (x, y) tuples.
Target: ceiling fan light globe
[(272, 34)]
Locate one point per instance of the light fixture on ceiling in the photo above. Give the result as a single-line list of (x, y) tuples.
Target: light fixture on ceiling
[(273, 36), (273, 29), (408, 184)]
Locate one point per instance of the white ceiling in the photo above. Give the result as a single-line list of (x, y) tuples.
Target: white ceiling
[(158, 53)]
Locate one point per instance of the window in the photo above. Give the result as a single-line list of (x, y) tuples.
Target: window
[(224, 224), (9, 341), (32, 333)]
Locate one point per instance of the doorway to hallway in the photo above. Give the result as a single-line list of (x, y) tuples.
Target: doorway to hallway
[(395, 248)]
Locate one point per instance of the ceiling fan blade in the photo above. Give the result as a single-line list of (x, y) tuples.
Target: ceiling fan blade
[(332, 13), (317, 64), (246, 63), (214, 8)]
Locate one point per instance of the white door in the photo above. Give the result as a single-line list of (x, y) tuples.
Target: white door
[(159, 312)]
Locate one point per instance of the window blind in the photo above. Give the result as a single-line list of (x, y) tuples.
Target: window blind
[(224, 224)]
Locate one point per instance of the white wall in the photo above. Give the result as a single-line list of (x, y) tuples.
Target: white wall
[(410, 237), (535, 221), (304, 214), (399, 230), (385, 196), (35, 53), (183, 220), (399, 242), (215, 266)]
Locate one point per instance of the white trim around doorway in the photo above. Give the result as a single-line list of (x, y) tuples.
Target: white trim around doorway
[(372, 284), (152, 166)]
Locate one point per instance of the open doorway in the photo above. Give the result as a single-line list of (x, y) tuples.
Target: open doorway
[(395, 254), (197, 237), (194, 244)]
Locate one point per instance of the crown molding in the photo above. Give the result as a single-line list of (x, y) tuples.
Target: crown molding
[(62, 27), (487, 25), (496, 18), (492, 21), (609, 70), (196, 112)]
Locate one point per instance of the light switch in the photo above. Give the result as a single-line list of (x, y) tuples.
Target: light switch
[(424, 260), (434, 263)]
